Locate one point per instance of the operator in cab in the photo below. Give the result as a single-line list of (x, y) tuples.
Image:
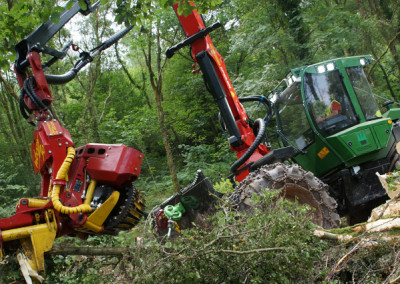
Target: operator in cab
[(335, 108)]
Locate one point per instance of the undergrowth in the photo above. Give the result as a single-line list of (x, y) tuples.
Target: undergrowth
[(273, 245)]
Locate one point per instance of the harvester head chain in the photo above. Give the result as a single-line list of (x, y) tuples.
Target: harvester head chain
[(127, 212), (294, 183)]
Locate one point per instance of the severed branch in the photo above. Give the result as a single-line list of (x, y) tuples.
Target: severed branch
[(260, 250)]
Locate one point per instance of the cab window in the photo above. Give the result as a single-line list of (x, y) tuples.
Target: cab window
[(292, 120), (328, 102), (363, 91)]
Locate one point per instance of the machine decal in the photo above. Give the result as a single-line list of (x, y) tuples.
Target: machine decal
[(52, 128), (362, 138), (322, 154), (38, 154), (215, 54)]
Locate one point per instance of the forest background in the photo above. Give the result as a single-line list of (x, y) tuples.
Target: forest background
[(133, 95)]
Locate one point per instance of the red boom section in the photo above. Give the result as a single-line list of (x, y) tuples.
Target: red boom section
[(191, 25)]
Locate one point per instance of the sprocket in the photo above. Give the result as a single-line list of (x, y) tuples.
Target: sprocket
[(127, 212), (294, 183)]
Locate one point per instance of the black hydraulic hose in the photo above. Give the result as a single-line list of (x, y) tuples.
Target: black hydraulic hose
[(29, 90), (32, 94), (25, 90), (61, 79), (25, 111), (116, 37), (22, 106), (200, 34), (253, 147), (260, 99)]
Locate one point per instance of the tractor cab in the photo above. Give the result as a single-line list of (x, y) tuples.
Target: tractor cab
[(329, 113)]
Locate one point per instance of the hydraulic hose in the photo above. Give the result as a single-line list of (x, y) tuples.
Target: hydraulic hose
[(62, 175), (260, 99), (116, 37), (61, 79), (253, 147)]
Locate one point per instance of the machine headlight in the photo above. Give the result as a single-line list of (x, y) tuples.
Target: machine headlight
[(321, 69), (330, 66)]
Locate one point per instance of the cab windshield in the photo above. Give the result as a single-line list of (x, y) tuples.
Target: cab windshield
[(328, 102), (363, 91), (293, 125)]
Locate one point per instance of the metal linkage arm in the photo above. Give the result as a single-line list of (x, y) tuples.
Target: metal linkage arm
[(200, 34), (44, 33)]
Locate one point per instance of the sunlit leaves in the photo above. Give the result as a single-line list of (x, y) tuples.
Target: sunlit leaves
[(55, 16)]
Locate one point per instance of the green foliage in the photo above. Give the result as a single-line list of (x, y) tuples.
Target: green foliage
[(224, 186), (274, 245), (9, 270), (10, 192), (271, 245), (393, 180), (214, 160), (71, 269)]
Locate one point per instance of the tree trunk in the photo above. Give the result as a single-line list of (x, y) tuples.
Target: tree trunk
[(292, 11), (89, 251), (164, 134), (10, 127), (156, 85), (136, 85)]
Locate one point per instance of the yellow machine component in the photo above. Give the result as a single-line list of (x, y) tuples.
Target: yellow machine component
[(37, 203), (90, 191), (139, 204), (177, 228), (136, 213), (96, 220), (35, 240), (62, 175)]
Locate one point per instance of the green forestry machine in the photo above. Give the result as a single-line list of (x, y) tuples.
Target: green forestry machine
[(328, 112), (335, 138)]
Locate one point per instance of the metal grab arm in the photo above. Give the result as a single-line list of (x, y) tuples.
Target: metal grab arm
[(85, 59)]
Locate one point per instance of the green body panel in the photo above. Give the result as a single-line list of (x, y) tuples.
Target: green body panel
[(318, 158), (369, 141), (393, 113), (361, 139), (372, 156)]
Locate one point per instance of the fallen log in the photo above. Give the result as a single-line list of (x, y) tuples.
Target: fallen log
[(89, 251)]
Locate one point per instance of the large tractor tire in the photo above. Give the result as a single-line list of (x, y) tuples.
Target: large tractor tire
[(294, 183)]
